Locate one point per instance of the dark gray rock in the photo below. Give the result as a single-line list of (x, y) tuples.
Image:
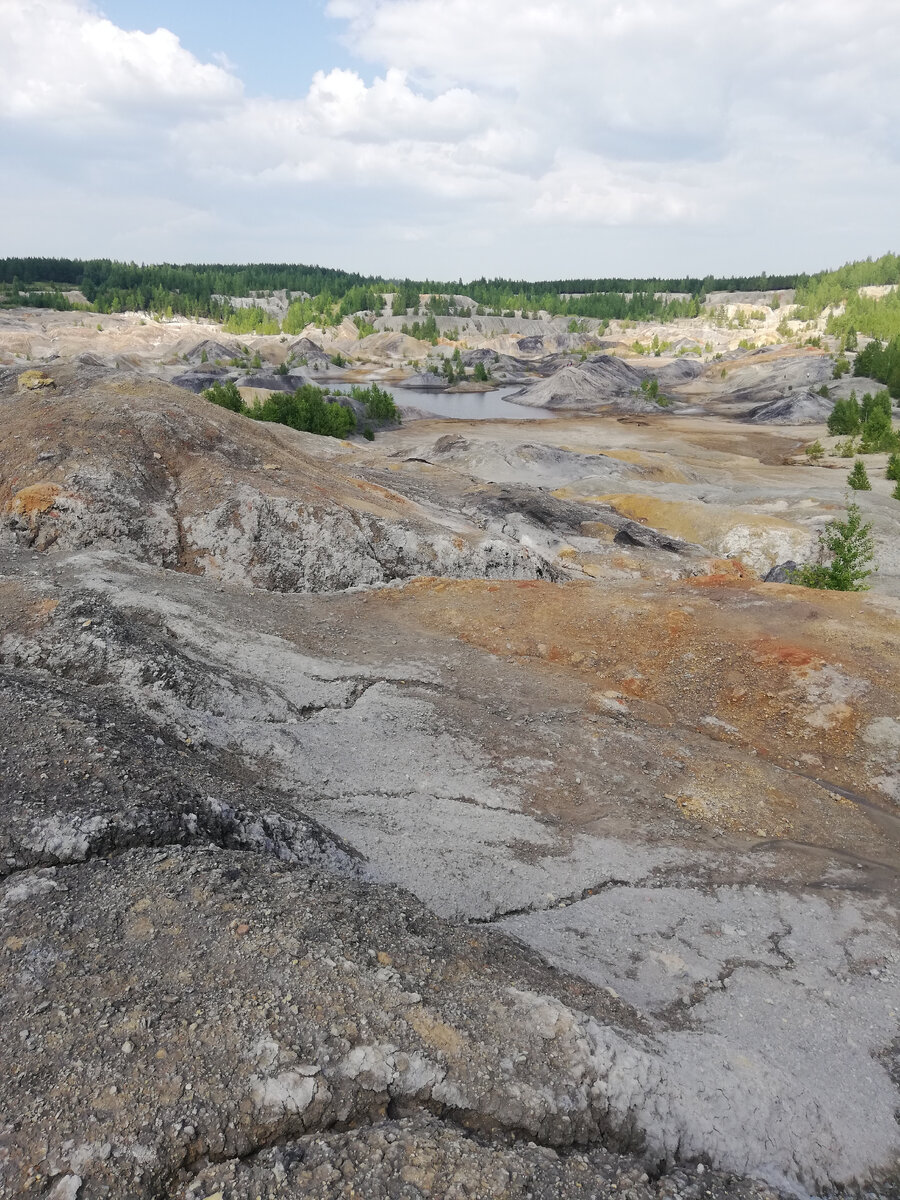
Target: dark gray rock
[(543, 510), (198, 381), (424, 381), (633, 533), (681, 370), (794, 408), (270, 383), (305, 347), (782, 572), (212, 350)]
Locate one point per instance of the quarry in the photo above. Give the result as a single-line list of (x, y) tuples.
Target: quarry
[(479, 808)]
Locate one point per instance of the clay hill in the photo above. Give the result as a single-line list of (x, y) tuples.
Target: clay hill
[(455, 813)]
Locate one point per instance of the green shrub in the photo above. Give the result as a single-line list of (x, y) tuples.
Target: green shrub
[(368, 434), (881, 362), (481, 373), (252, 319), (814, 451), (841, 367), (845, 550), (338, 360), (379, 403), (896, 492), (879, 403), (364, 326), (858, 479), (893, 468), (306, 409), (845, 417), (226, 395), (877, 434), (427, 330)]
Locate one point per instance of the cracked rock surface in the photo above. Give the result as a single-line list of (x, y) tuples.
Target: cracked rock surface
[(503, 880)]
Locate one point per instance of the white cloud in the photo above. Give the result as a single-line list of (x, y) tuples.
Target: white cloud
[(582, 188), (340, 105), (482, 121), (63, 61)]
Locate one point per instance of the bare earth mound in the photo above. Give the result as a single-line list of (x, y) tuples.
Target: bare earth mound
[(603, 383)]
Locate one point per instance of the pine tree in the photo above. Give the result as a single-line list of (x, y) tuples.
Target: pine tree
[(858, 479)]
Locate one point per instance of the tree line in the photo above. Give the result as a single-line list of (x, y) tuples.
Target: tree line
[(878, 318), (326, 295), (194, 290)]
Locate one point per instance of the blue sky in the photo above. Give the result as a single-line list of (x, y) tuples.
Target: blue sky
[(448, 138), (276, 48)]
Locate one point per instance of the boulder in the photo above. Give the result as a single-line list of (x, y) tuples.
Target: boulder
[(35, 381), (782, 572)]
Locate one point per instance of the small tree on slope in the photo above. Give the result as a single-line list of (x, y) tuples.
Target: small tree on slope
[(845, 550), (858, 478)]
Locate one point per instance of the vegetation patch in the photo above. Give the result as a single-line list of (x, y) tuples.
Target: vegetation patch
[(846, 550), (309, 408)]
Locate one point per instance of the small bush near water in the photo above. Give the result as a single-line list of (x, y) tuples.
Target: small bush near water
[(307, 409)]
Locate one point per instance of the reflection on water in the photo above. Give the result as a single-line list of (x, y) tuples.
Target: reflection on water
[(468, 406)]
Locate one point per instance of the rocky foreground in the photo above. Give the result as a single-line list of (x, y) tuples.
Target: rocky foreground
[(458, 815)]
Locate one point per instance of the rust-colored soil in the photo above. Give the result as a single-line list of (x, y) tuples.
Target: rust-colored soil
[(781, 676)]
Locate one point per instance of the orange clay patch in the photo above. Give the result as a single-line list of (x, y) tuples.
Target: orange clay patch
[(39, 498), (769, 651), (726, 572)]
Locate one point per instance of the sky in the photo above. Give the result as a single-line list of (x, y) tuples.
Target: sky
[(454, 138)]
